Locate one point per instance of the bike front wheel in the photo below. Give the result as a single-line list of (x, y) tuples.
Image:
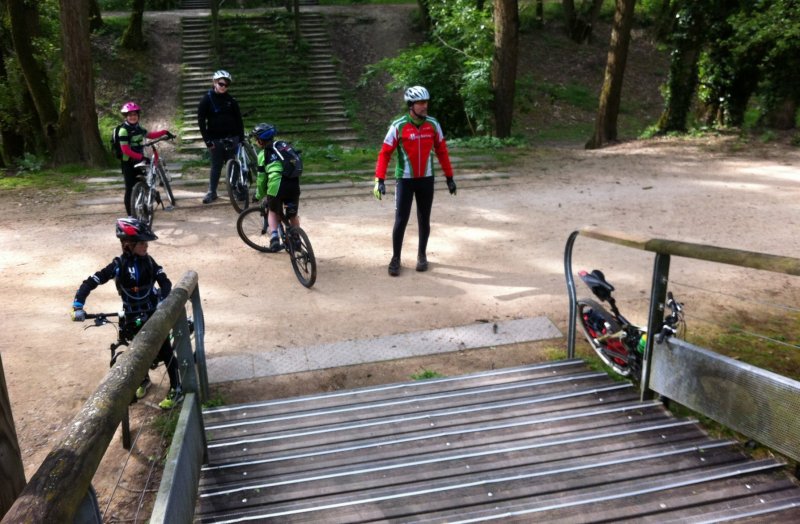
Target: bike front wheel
[(304, 262), (238, 186), (142, 203), (252, 228), (599, 326), (164, 179)]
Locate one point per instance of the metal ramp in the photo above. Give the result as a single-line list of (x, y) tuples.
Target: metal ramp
[(551, 442)]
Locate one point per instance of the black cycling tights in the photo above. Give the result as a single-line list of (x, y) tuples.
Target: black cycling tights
[(406, 191)]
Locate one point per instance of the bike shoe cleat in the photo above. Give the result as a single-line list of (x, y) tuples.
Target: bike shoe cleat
[(210, 197), (173, 399), (394, 266), (422, 263), (275, 244), (141, 391)]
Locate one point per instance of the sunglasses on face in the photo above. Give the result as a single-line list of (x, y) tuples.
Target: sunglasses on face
[(223, 84)]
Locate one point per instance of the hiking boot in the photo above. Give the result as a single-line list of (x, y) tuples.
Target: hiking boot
[(422, 263), (394, 266), (173, 399), (275, 244), (210, 197), (141, 391)]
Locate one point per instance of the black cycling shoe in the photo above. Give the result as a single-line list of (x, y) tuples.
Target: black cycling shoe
[(422, 263), (394, 266), (210, 197)]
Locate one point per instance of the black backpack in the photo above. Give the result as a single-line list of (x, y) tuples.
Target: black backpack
[(290, 158), (115, 147)]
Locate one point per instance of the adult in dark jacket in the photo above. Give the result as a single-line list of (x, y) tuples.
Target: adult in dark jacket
[(219, 117)]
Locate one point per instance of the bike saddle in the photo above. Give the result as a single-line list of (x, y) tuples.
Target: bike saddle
[(596, 281)]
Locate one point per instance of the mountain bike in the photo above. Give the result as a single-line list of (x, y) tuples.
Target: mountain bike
[(619, 343), (102, 319), (240, 171), (153, 172), (252, 228)]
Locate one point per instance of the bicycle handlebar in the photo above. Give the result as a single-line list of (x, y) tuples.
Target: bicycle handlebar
[(669, 329), (101, 319), (157, 140)]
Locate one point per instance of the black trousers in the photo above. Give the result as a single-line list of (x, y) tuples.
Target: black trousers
[(406, 191)]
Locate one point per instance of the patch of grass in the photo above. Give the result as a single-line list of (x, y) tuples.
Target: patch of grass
[(165, 424), (426, 374), (215, 401), (65, 177), (769, 340), (573, 94)]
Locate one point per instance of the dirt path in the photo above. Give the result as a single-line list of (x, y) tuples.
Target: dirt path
[(496, 253)]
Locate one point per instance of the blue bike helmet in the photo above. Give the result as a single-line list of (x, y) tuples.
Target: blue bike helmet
[(264, 131)]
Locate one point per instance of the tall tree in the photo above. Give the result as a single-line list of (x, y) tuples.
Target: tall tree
[(133, 37), (504, 63), (687, 42), (95, 16), (23, 18), (78, 138), (605, 129)]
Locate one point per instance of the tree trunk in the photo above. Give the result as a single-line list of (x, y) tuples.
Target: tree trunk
[(11, 139), (79, 139), (95, 16), (24, 17), (133, 37), (504, 63), (682, 82), (424, 15), (11, 469), (605, 129), (580, 22), (296, 13)]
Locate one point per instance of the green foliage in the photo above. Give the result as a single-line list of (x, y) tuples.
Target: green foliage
[(426, 374), (150, 5), (30, 163), (455, 66)]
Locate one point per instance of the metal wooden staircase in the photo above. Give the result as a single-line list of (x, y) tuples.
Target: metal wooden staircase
[(552, 442)]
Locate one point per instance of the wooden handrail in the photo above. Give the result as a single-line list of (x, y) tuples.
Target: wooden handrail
[(722, 255), (55, 491)]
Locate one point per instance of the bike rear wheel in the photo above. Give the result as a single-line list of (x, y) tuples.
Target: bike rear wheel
[(304, 262), (595, 322), (252, 228), (164, 179), (142, 203), (238, 186)]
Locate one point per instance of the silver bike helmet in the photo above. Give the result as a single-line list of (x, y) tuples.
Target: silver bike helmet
[(222, 74), (416, 94)]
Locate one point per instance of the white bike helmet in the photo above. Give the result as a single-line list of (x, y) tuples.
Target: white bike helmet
[(222, 74), (416, 94)]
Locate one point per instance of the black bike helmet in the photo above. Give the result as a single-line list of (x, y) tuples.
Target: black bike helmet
[(264, 131), (134, 230)]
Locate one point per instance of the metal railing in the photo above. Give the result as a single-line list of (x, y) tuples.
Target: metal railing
[(59, 487), (757, 403)]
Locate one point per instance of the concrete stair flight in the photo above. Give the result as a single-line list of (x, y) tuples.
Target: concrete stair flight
[(312, 108)]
